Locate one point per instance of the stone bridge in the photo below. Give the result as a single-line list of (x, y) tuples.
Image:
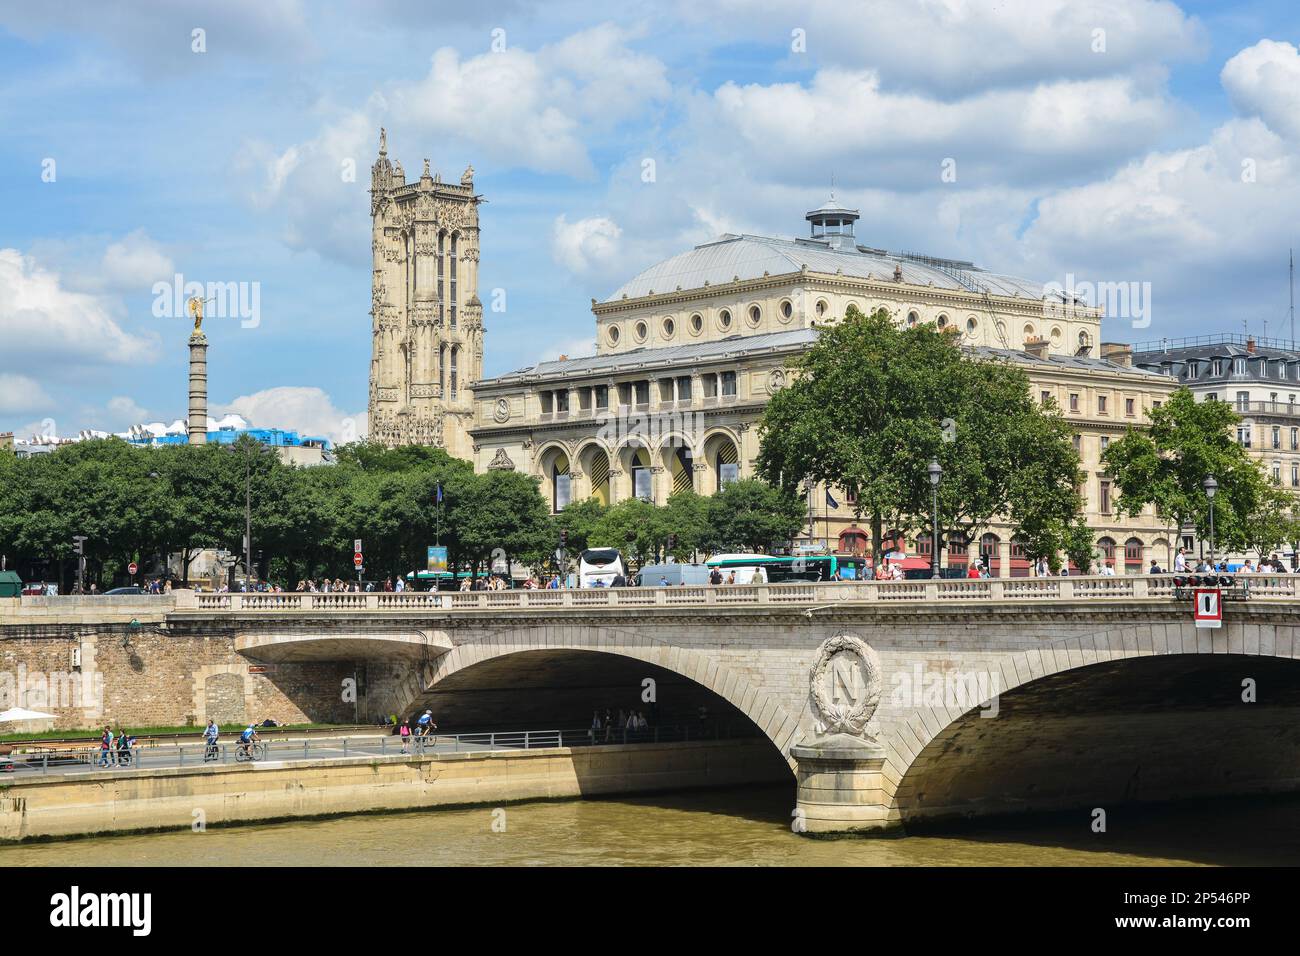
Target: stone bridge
[(890, 704)]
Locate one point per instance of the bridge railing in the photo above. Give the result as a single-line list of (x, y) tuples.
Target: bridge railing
[(1015, 590), (46, 760)]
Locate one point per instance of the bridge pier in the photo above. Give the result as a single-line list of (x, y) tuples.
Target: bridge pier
[(841, 786)]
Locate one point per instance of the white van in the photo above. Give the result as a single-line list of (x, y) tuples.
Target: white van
[(598, 567)]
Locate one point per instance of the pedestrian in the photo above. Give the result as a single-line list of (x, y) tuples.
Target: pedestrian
[(405, 732), (106, 747)]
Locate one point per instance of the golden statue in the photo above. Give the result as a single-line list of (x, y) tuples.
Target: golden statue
[(196, 310)]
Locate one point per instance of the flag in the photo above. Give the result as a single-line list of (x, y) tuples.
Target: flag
[(831, 502), (439, 492)]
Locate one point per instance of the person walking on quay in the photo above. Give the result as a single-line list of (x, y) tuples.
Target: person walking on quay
[(210, 734), (123, 748), (106, 747), (405, 732)]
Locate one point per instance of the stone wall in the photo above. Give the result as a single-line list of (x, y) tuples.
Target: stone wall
[(147, 677), (182, 798)]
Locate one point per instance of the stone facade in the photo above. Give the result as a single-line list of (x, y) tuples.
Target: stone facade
[(427, 320), (689, 352)]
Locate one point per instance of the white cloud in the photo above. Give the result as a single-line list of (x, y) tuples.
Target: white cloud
[(134, 263), (41, 320), (533, 109), (845, 119), (1264, 81), (588, 245), (305, 409), (20, 394), (956, 47)]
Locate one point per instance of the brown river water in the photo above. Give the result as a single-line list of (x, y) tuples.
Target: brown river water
[(735, 827)]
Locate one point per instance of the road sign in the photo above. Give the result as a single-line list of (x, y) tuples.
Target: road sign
[(132, 568), (357, 559), (1209, 607), (356, 545)]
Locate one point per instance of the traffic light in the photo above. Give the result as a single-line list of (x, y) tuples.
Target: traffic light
[(77, 546), (672, 542), (564, 538)]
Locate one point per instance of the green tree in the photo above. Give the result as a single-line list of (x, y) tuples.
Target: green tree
[(1166, 465), (872, 404), (752, 515)]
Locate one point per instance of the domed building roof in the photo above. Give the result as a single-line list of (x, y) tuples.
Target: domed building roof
[(751, 257)]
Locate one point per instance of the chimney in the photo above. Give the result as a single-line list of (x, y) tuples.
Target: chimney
[(1036, 347), (1121, 353), (1250, 345)]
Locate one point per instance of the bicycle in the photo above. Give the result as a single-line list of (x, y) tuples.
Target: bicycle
[(255, 750), (211, 752)]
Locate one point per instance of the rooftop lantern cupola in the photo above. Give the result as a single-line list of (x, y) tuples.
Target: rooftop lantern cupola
[(833, 224)]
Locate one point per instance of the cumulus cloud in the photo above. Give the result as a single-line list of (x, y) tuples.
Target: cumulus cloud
[(22, 395), (305, 409), (845, 119), (134, 263), (533, 109), (956, 47), (41, 320), (1264, 81), (588, 245)]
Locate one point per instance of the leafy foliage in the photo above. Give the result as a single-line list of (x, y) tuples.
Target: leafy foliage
[(866, 413)]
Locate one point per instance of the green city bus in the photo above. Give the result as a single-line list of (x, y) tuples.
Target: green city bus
[(799, 567)]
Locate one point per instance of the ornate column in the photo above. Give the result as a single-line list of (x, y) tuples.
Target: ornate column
[(197, 423), (840, 772)]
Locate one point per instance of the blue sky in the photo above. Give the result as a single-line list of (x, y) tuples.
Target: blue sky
[(1114, 141)]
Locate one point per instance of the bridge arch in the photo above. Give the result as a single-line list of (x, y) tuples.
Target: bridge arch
[(764, 710), (1105, 719)]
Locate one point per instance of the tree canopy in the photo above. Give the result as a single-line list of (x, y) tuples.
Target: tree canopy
[(1167, 466), (871, 404)]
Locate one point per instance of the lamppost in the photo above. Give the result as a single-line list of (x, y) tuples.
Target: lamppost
[(248, 451), (1211, 486), (935, 472)]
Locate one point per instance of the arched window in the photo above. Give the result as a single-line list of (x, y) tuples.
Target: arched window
[(561, 483), (641, 487), (727, 464), (455, 351), (1107, 548), (1133, 555), (451, 271), (990, 552), (442, 264), (442, 369), (957, 549), (1019, 558)]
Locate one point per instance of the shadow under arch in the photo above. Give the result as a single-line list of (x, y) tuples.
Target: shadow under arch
[(1133, 730), (512, 687)]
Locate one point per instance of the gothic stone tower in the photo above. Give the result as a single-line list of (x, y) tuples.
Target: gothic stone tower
[(427, 319)]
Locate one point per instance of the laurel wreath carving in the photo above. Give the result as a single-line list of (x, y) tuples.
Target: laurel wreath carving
[(834, 718)]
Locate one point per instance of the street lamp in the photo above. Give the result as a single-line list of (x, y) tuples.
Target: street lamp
[(1211, 486), (248, 452), (935, 472)]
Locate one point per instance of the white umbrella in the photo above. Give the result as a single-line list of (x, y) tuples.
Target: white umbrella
[(22, 713)]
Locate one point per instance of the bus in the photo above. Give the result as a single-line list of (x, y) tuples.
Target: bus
[(598, 567), (778, 570)]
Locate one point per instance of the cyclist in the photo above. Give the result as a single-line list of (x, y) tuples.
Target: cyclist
[(210, 738), (247, 739), (425, 724)]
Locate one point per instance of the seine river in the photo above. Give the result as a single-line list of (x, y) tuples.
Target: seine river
[(719, 827)]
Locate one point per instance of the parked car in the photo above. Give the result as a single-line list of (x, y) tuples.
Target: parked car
[(129, 589)]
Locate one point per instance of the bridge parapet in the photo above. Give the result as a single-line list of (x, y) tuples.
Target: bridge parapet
[(988, 591), (983, 590)]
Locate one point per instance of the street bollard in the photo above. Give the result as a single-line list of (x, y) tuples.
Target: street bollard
[(345, 746), (383, 746), (304, 748)]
